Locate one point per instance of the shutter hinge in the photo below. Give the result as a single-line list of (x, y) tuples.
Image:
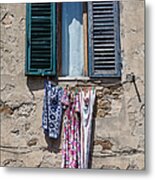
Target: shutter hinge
[(119, 66)]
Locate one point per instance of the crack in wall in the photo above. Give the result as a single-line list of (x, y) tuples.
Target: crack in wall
[(6, 149)]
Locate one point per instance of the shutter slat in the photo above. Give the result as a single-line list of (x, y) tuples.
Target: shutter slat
[(45, 51), (104, 58), (36, 34), (40, 43), (99, 32), (103, 20), (103, 15), (109, 3), (41, 60), (45, 9), (103, 24), (105, 63), (105, 54), (43, 13), (41, 39), (35, 29), (103, 37), (103, 40), (104, 67), (105, 50), (105, 8), (41, 23), (40, 16), (41, 47), (103, 28), (41, 55), (40, 4), (102, 46)]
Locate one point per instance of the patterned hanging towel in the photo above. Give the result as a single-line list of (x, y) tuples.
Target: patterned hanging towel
[(52, 110), (71, 141), (87, 100)]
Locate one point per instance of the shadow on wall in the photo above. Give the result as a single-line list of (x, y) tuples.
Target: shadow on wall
[(92, 136), (53, 144), (35, 83)]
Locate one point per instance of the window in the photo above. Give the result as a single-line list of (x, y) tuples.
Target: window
[(90, 39), (72, 39)]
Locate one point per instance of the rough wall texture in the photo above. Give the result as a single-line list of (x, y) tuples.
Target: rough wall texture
[(118, 125)]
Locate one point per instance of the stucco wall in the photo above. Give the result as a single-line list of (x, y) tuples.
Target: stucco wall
[(118, 125)]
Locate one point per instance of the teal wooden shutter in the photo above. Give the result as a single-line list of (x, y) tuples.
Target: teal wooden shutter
[(41, 39), (104, 39)]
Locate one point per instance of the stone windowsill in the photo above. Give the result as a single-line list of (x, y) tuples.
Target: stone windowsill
[(86, 81), (69, 78)]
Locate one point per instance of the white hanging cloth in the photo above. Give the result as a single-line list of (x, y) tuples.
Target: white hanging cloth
[(87, 100)]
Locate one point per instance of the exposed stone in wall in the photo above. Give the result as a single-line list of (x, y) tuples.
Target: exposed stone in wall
[(118, 123), (108, 101)]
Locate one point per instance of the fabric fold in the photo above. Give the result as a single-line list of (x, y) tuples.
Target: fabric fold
[(71, 141), (87, 100), (52, 110)]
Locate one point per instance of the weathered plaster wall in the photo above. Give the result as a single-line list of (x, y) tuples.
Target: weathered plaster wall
[(118, 125)]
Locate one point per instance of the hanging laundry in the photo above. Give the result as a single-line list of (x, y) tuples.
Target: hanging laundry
[(87, 100), (71, 141), (52, 109)]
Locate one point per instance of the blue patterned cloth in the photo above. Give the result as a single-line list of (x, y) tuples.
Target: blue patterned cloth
[(52, 110)]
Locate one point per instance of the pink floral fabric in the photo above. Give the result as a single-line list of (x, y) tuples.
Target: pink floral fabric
[(71, 157), (77, 128)]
